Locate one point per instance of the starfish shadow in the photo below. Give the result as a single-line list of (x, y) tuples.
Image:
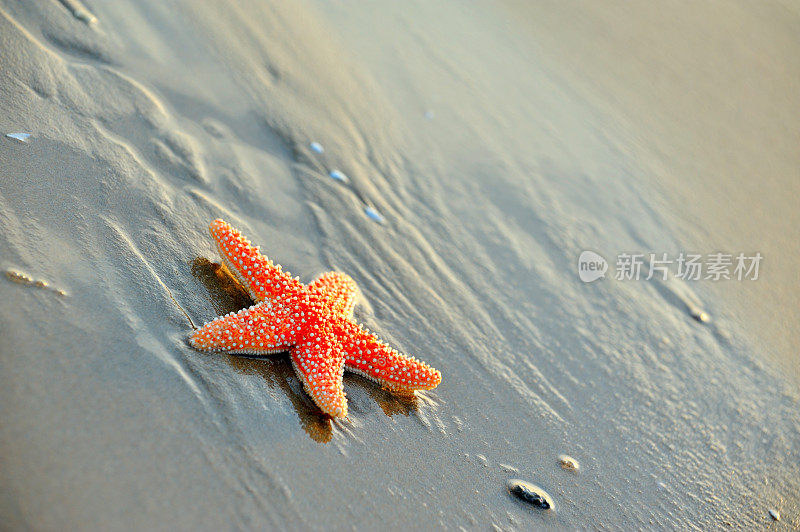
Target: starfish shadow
[(390, 403), (225, 292), (276, 371), (227, 295)]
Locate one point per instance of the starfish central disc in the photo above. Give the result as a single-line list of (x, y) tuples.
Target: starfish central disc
[(313, 322)]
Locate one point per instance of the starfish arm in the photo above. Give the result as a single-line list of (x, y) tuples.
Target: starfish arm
[(315, 359), (260, 276), (262, 329), (368, 356), (339, 290)]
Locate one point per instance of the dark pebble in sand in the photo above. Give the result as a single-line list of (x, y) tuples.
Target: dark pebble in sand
[(375, 215), (530, 493)]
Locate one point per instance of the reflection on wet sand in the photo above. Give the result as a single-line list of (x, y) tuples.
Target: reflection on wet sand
[(390, 403), (228, 295), (277, 371), (224, 291)]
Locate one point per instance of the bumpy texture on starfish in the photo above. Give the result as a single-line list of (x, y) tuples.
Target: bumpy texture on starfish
[(313, 322)]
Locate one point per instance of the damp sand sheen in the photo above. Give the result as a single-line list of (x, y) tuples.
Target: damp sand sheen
[(454, 160)]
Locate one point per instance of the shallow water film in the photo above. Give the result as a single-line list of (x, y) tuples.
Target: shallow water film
[(519, 191)]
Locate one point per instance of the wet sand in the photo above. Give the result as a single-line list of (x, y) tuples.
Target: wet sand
[(496, 142)]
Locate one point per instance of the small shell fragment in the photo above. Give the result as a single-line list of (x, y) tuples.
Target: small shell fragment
[(375, 215), (79, 11), (530, 493), (22, 137), (86, 17), (774, 514), (569, 463), (339, 176), (316, 147)]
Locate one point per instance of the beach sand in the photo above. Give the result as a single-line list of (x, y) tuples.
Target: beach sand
[(497, 142)]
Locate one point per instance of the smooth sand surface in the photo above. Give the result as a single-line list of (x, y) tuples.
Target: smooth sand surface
[(497, 142)]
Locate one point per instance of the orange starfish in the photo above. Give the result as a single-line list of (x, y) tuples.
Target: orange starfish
[(313, 322)]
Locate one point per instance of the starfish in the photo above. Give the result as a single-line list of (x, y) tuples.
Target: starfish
[(313, 322)]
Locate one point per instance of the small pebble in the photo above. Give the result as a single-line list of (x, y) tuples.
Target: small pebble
[(25, 279), (375, 215), (699, 315), (569, 463), (530, 493), (339, 176), (775, 514), (316, 147), (19, 277), (508, 468), (22, 137)]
